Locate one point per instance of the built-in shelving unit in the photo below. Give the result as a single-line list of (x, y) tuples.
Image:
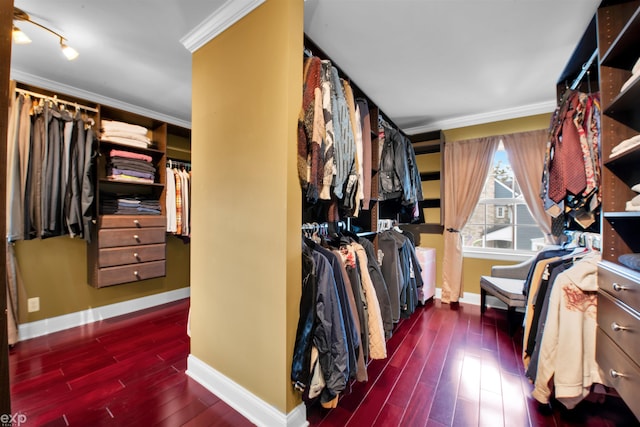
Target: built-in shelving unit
[(617, 350)]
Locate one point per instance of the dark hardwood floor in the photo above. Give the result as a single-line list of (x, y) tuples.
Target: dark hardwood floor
[(454, 367), (445, 367), (124, 371)]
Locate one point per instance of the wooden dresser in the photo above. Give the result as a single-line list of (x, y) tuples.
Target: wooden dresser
[(131, 248), (618, 336)]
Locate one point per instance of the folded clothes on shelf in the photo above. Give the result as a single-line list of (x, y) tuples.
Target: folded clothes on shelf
[(630, 260), (625, 145)]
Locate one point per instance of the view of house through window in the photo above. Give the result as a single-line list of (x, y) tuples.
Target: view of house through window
[(501, 220)]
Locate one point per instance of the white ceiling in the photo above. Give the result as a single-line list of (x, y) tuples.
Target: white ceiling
[(429, 64)]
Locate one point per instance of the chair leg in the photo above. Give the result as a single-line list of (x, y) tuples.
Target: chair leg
[(483, 300), (513, 320)]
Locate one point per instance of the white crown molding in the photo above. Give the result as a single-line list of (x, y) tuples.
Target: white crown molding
[(59, 323), (242, 400), (44, 83), (224, 17), (482, 118)]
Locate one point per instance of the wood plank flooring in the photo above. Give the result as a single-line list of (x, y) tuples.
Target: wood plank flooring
[(124, 371), (446, 367), (454, 367)]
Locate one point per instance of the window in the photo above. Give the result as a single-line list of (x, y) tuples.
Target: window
[(501, 221)]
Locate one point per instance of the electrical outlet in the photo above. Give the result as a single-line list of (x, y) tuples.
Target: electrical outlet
[(33, 304)]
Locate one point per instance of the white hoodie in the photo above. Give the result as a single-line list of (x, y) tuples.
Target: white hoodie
[(568, 347)]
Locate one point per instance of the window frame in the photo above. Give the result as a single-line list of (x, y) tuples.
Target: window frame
[(505, 204)]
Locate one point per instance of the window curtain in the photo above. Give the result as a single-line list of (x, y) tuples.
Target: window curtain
[(526, 151), (466, 166)]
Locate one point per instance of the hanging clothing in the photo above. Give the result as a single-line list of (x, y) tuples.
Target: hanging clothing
[(352, 336), (14, 214), (571, 174), (321, 324), (377, 345), (178, 202), (365, 120), (401, 272), (170, 201), (328, 102), (380, 286), (310, 163), (51, 154), (568, 347), (399, 174), (360, 324), (532, 343)]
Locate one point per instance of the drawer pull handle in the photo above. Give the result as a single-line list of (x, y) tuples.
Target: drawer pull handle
[(616, 374), (135, 273), (136, 222), (136, 237), (619, 288), (136, 256), (615, 327)]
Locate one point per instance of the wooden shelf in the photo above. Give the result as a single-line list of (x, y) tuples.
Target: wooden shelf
[(624, 108), (626, 215), (153, 152), (430, 176), (625, 166), (429, 203), (626, 225), (131, 183), (623, 52)]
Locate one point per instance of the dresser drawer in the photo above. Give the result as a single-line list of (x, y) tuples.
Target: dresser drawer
[(620, 324), (623, 286), (110, 257), (130, 273), (136, 221), (618, 371), (113, 237)]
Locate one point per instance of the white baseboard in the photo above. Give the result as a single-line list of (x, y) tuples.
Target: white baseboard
[(249, 405), (71, 320), (467, 298)]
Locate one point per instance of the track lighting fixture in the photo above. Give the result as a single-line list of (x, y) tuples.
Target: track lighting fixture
[(20, 37)]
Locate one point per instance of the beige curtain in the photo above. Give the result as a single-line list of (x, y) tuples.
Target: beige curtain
[(526, 152), (466, 165)]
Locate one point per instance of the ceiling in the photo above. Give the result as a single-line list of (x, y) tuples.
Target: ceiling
[(429, 64)]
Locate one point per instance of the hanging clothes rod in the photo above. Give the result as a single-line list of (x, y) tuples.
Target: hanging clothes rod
[(171, 163), (585, 69), (55, 99)]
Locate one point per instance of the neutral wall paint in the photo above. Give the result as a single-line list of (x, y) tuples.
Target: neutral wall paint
[(55, 270), (503, 127), (246, 268)]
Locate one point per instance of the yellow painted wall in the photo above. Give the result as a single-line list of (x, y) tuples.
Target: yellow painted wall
[(246, 262), (429, 162), (178, 147), (55, 270), (502, 127)]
